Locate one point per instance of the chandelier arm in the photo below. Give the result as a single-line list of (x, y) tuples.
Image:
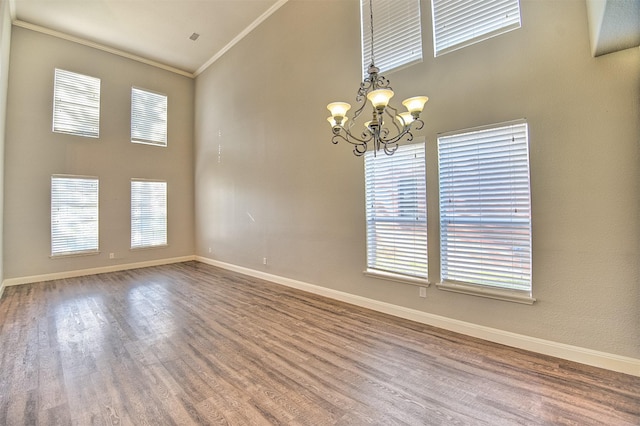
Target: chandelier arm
[(340, 133), (393, 114), (405, 135)]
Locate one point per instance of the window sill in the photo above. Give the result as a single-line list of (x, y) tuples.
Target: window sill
[(74, 254), (516, 296), (148, 247), (390, 276)]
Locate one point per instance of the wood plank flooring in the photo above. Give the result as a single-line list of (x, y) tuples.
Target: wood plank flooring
[(191, 344)]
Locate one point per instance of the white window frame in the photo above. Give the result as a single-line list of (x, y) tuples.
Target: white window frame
[(76, 104), (397, 222), (74, 215), (148, 213), (149, 115), (485, 211), (397, 34), (461, 23)]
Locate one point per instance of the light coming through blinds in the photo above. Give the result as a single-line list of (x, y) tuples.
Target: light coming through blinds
[(397, 211), (485, 214), (76, 104), (397, 34), (148, 213), (148, 117), (459, 23), (74, 215)]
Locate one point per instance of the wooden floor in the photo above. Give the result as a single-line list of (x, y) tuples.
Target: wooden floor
[(192, 344)]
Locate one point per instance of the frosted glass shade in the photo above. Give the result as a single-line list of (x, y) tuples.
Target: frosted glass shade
[(415, 104), (404, 118), (338, 109), (380, 98)]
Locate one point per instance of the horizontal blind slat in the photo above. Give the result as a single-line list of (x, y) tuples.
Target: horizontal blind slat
[(460, 23), (396, 211), (148, 213), (76, 104), (74, 215), (485, 224)]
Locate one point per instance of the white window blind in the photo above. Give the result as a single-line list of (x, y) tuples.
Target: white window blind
[(396, 211), (74, 215), (397, 33), (148, 117), (76, 104), (459, 23), (485, 214), (148, 213)]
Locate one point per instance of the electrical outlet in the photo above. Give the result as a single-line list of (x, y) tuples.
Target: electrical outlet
[(209, 249), (264, 260), (112, 255), (423, 292)]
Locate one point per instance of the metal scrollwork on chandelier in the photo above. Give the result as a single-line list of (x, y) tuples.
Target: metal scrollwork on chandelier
[(387, 128)]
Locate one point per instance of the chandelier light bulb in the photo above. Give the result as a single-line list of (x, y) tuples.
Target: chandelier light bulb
[(380, 98), (415, 105)]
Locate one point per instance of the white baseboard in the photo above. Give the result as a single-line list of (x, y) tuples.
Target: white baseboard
[(92, 271), (591, 357), (1, 289)]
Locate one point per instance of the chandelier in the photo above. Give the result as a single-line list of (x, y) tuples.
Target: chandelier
[(387, 128)]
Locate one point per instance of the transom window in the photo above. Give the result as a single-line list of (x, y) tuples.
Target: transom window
[(148, 117), (76, 104), (485, 207), (397, 34), (459, 23)]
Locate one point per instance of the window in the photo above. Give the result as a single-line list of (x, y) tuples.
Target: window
[(397, 211), (397, 33), (76, 104), (74, 215), (485, 215), (148, 117), (148, 213), (459, 23)]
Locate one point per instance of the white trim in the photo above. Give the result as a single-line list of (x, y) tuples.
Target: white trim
[(12, 15), (54, 33), (1, 289), (92, 271), (390, 276), (516, 296), (239, 37), (591, 357)]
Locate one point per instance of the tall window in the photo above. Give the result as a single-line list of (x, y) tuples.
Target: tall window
[(397, 211), (148, 213), (485, 214), (74, 215), (397, 33), (76, 104), (148, 117), (459, 23)]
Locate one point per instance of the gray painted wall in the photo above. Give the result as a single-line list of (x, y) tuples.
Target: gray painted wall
[(33, 153), (269, 183)]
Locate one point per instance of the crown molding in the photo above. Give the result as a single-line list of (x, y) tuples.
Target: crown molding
[(114, 51)]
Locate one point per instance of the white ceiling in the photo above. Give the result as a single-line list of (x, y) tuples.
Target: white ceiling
[(156, 30)]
